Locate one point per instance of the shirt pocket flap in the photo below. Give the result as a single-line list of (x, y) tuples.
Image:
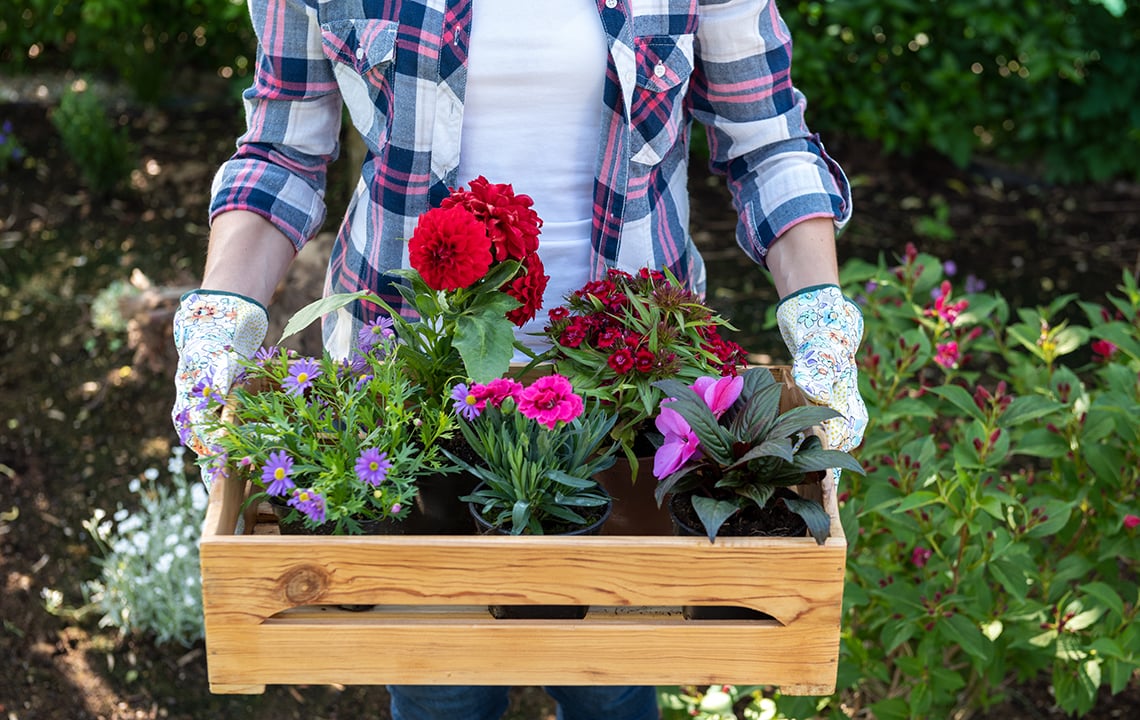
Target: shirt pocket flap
[(663, 61), (361, 43)]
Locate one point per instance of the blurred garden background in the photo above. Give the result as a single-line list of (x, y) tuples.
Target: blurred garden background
[(994, 153)]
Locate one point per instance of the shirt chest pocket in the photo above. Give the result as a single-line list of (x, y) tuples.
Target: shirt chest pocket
[(363, 56), (664, 66)]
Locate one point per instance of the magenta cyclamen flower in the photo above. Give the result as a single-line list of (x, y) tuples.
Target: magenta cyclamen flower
[(550, 400), (275, 474), (311, 504), (680, 443), (301, 376), (467, 406), (372, 466), (719, 393)]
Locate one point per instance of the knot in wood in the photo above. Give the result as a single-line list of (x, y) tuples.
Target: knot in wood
[(304, 584)]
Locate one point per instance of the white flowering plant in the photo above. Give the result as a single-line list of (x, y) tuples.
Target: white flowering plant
[(149, 580)]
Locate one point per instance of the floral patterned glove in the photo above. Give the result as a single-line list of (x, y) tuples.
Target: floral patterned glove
[(211, 330), (822, 330)]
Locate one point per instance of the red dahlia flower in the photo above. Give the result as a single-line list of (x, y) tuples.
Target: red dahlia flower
[(527, 288), (449, 248), (511, 222)]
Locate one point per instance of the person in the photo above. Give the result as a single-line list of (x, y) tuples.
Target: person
[(584, 105)]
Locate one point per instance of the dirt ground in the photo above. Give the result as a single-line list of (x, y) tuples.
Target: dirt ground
[(82, 410)]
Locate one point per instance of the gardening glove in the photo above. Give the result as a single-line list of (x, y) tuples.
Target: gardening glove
[(822, 330), (213, 330)]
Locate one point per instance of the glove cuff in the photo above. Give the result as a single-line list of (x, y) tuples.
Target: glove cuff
[(216, 320), (821, 309)]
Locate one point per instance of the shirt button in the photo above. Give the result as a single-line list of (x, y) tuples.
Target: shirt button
[(659, 70), (359, 53), (611, 4)]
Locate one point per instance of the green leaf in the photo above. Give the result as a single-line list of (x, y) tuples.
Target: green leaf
[(961, 399), (1026, 408), (520, 516), (965, 633), (917, 499), (1106, 595), (319, 308), (486, 344), (800, 419), (712, 513), (1042, 443), (1057, 516), (817, 519)]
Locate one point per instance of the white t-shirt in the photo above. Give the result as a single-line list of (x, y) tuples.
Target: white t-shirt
[(532, 118)]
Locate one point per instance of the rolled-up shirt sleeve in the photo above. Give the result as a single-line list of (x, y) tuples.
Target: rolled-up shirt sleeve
[(777, 170), (293, 115)]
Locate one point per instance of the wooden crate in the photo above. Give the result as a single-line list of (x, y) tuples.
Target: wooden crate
[(272, 617)]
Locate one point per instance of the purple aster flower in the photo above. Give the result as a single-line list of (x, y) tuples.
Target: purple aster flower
[(374, 333), (205, 392), (372, 466), (265, 354), (311, 504), (950, 268), (275, 474), (465, 402), (871, 287), (301, 376), (974, 284)]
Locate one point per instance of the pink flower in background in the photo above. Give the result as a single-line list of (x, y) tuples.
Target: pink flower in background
[(679, 446), (550, 400), (919, 556), (943, 308), (946, 354), (1131, 521), (1103, 349)]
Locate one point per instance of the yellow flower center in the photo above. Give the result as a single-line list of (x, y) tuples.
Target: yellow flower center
[(303, 496), (373, 466), (279, 474), (302, 377), (470, 399)]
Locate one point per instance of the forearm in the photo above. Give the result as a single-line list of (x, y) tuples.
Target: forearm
[(804, 256), (247, 255)]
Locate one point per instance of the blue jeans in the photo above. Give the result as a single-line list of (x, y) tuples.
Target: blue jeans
[(482, 702)]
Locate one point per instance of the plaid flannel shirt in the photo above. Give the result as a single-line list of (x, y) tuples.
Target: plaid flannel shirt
[(400, 69)]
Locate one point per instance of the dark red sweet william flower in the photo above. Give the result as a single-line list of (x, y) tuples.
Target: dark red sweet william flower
[(512, 224), (528, 289), (449, 248), (573, 334), (644, 361), (621, 361)]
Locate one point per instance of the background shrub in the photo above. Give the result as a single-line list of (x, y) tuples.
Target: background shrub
[(99, 147), (995, 537), (143, 42), (1041, 82)]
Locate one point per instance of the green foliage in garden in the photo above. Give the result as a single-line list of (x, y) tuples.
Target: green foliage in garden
[(1050, 84), (994, 539), (144, 43), (98, 146)]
